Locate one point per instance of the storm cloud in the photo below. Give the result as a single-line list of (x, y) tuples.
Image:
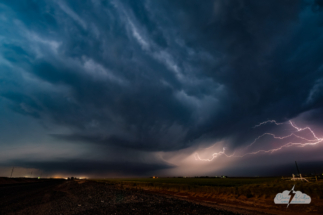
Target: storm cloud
[(149, 77)]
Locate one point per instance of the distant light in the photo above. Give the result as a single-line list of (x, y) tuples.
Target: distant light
[(38, 177)]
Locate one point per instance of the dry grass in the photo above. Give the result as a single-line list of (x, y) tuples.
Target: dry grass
[(212, 187)]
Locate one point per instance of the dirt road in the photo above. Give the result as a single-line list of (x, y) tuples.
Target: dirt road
[(88, 197)]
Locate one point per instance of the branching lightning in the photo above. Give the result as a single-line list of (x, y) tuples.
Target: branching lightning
[(214, 155), (309, 142)]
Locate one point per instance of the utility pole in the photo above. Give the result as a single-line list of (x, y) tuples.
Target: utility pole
[(12, 172)]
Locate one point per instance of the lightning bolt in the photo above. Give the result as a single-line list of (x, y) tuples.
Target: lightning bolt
[(292, 134), (214, 155), (268, 121), (292, 194), (310, 142)]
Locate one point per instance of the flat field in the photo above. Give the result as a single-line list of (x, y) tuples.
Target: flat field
[(249, 187), (248, 193), (217, 182), (87, 197)]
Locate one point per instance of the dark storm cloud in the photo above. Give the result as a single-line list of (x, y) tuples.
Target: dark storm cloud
[(305, 168), (270, 60), (90, 168), (161, 75)]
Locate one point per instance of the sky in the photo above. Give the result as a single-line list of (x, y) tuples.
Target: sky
[(125, 88)]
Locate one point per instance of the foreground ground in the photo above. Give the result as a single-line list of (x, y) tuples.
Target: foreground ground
[(89, 197), (255, 195), (147, 196)]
